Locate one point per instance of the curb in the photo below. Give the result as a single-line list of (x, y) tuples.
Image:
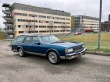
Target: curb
[(98, 53)]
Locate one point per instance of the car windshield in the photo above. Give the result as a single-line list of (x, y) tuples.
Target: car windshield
[(49, 39)]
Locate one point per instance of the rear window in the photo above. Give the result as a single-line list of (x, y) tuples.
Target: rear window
[(19, 39)]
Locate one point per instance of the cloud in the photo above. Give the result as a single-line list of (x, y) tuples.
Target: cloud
[(75, 7)]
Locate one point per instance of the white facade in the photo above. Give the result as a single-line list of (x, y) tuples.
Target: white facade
[(44, 23), (86, 22)]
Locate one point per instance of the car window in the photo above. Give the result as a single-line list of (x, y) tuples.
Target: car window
[(19, 39), (45, 39), (49, 39), (35, 39), (27, 40)]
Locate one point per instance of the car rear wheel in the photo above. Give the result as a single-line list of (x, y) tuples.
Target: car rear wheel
[(21, 52), (53, 57)]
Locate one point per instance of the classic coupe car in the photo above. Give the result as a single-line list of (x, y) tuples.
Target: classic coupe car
[(49, 46)]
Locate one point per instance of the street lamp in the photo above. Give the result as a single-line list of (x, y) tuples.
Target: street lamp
[(34, 23), (100, 16)]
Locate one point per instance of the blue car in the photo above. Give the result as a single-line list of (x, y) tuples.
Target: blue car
[(49, 46)]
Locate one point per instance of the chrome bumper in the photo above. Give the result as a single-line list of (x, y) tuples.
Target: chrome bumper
[(74, 55)]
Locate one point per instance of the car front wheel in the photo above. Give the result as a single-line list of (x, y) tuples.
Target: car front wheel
[(53, 57), (21, 52)]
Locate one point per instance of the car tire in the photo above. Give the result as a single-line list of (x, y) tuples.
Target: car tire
[(53, 57), (21, 52)]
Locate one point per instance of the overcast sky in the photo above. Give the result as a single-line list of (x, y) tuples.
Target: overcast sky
[(75, 7)]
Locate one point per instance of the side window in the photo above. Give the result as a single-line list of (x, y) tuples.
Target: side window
[(19, 39), (44, 39), (27, 40), (35, 39)]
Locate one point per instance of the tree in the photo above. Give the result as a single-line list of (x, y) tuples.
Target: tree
[(64, 28), (30, 27), (51, 27)]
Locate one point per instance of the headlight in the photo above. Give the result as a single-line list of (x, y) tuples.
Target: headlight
[(68, 50), (83, 45)]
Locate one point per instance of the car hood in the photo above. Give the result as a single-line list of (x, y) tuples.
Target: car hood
[(66, 44)]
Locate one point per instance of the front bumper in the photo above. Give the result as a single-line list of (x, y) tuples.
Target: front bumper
[(74, 55)]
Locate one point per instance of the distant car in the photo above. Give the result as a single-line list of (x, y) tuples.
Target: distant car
[(77, 33), (49, 46), (95, 31)]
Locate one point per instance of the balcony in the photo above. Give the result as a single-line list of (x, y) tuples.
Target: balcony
[(9, 30), (8, 23), (6, 11), (7, 18)]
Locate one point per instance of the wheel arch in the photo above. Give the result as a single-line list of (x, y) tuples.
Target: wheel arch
[(52, 50), (19, 48)]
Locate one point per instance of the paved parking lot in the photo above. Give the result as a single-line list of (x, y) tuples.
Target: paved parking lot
[(89, 68)]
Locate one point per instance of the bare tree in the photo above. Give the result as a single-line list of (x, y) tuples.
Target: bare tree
[(50, 27), (64, 28), (29, 30), (30, 27)]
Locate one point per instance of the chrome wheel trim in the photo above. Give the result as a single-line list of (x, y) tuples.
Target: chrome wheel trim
[(52, 57), (20, 52)]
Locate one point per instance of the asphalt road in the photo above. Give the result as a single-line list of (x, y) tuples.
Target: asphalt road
[(89, 68)]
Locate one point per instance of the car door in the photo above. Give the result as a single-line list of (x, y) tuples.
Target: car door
[(27, 44), (36, 46)]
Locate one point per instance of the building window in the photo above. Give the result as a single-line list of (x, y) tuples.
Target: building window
[(59, 22), (20, 14), (19, 20), (56, 31), (41, 31), (67, 19), (32, 15), (41, 21), (42, 26), (36, 26), (21, 31), (67, 23), (24, 20), (55, 26), (36, 31), (19, 26), (50, 17), (41, 16), (62, 18)]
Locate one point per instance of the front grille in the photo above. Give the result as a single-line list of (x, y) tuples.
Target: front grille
[(78, 48)]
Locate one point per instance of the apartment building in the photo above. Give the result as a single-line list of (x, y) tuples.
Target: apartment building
[(21, 19), (87, 23), (105, 26)]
